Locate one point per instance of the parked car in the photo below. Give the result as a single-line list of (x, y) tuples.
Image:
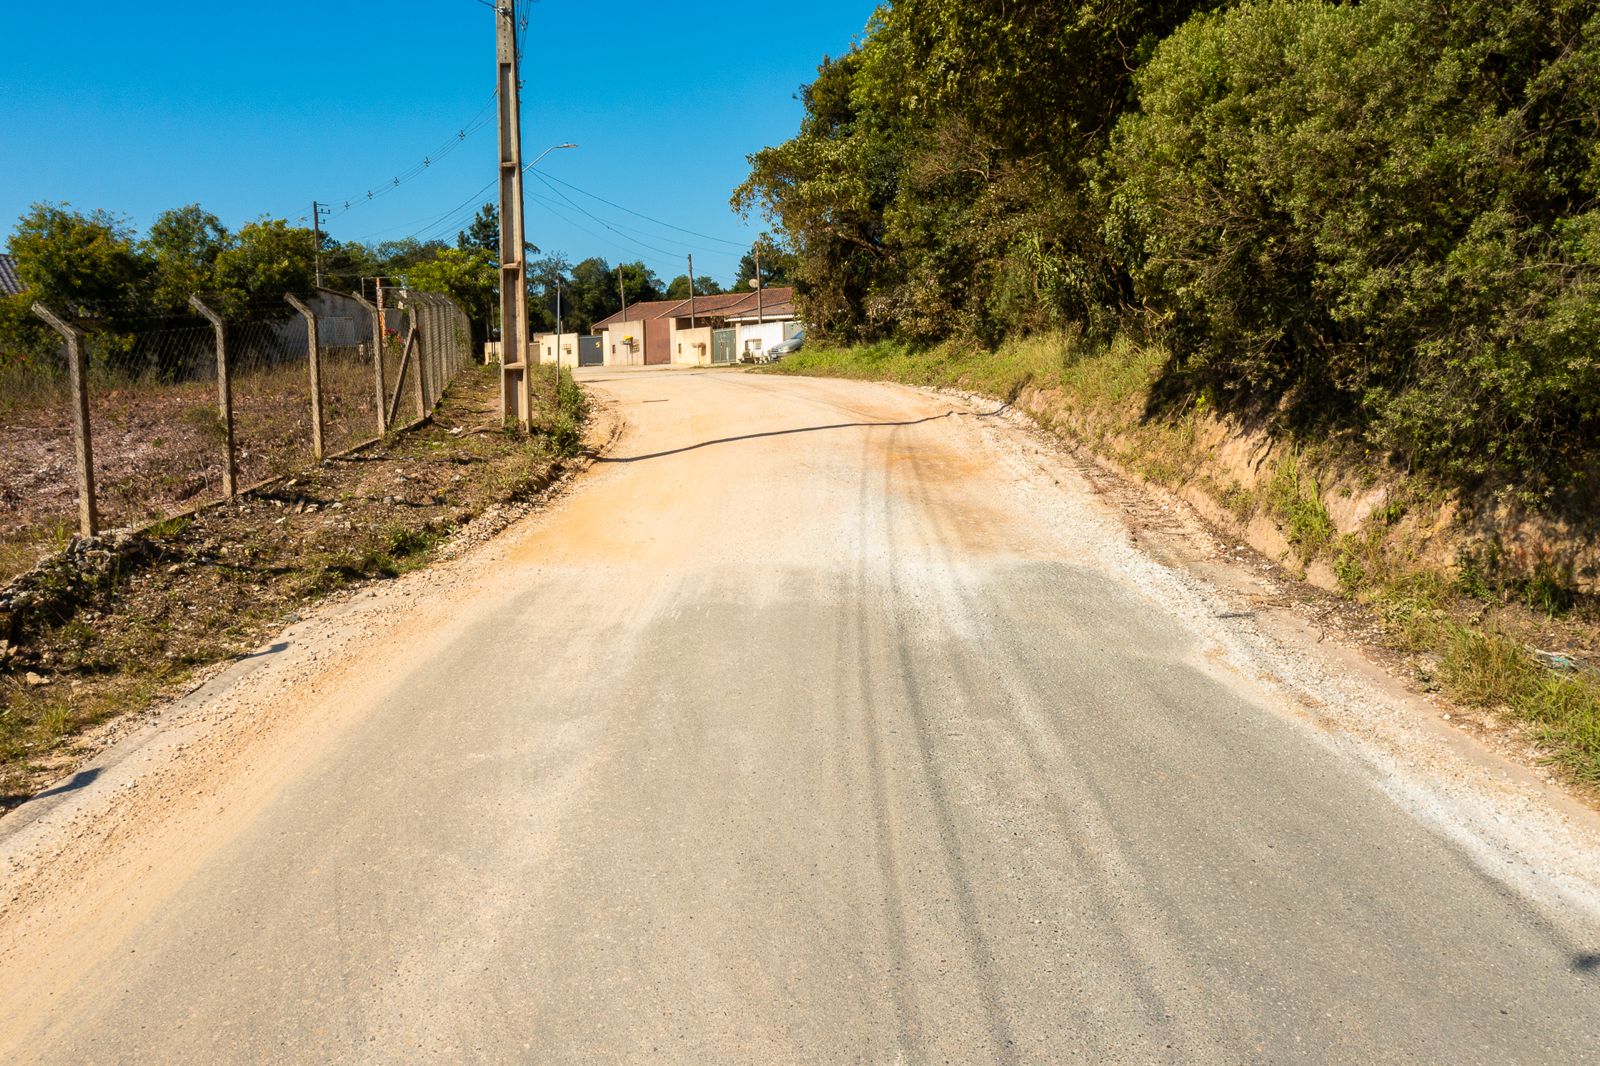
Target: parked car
[(788, 347)]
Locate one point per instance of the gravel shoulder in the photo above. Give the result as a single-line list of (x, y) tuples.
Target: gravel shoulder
[(1277, 633)]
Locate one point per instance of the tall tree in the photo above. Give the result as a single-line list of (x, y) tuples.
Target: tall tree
[(184, 244), (270, 258), (777, 263), (544, 276), (484, 232), (393, 257), (85, 266), (704, 285), (640, 283), (469, 277)]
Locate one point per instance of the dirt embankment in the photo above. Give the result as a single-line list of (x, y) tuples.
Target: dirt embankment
[(110, 625), (1489, 602)]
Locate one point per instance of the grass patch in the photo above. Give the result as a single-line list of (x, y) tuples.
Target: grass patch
[(1484, 668), (1295, 499)]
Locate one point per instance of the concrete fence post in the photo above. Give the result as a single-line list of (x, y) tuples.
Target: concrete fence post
[(313, 346), (83, 444), (419, 369), (406, 355), (441, 335), (377, 359), (419, 315), (440, 377), (230, 466)]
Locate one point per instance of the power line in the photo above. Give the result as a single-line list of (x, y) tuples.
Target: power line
[(647, 218), (606, 241), (593, 217), (478, 121)]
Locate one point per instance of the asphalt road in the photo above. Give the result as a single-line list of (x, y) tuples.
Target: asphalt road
[(800, 732)]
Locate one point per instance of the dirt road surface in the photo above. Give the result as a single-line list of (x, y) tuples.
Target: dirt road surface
[(819, 722)]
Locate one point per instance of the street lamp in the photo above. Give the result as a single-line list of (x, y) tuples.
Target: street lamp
[(546, 152), (556, 394)]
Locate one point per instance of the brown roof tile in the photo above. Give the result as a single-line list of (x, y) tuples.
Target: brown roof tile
[(722, 305), (10, 284)]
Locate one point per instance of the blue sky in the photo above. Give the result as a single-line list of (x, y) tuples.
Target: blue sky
[(256, 109)]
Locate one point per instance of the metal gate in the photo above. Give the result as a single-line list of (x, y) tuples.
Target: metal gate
[(724, 344), (657, 344), (591, 351)]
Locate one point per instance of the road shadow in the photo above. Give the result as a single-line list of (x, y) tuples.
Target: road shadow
[(281, 646), (790, 432), (81, 779)]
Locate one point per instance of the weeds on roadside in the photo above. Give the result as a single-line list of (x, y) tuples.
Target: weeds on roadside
[(1100, 393)]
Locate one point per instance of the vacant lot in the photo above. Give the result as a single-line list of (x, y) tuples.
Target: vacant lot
[(134, 617), (158, 445)]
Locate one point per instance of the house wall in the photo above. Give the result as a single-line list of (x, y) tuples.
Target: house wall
[(617, 351), (545, 345), (341, 322), (768, 333), (491, 351), (691, 347)]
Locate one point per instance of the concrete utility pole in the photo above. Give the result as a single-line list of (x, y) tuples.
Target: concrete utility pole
[(691, 291), (622, 293), (516, 383), (760, 296), (316, 236), (555, 391)]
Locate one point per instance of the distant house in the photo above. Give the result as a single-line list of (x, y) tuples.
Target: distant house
[(707, 331), (10, 284)]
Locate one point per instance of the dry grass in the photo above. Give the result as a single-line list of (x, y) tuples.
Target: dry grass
[(158, 446), (199, 590)]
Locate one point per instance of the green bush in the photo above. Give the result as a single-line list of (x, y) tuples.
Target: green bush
[(1377, 218)]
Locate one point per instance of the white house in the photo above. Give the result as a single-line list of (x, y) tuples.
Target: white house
[(707, 331)]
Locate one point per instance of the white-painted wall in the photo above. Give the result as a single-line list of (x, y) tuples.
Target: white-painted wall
[(691, 347), (617, 350), (768, 333), (545, 344)]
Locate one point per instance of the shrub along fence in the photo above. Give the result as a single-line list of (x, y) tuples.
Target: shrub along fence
[(137, 425)]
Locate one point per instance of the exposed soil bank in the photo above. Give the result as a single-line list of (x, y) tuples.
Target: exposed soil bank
[(1490, 601)]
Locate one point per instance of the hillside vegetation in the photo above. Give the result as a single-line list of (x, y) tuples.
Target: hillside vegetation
[(1372, 224), (1328, 270)]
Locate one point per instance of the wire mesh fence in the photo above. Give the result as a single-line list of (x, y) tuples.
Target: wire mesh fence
[(349, 387), (38, 483), (158, 424)]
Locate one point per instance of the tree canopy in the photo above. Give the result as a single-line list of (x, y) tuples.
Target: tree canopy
[(1374, 219)]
